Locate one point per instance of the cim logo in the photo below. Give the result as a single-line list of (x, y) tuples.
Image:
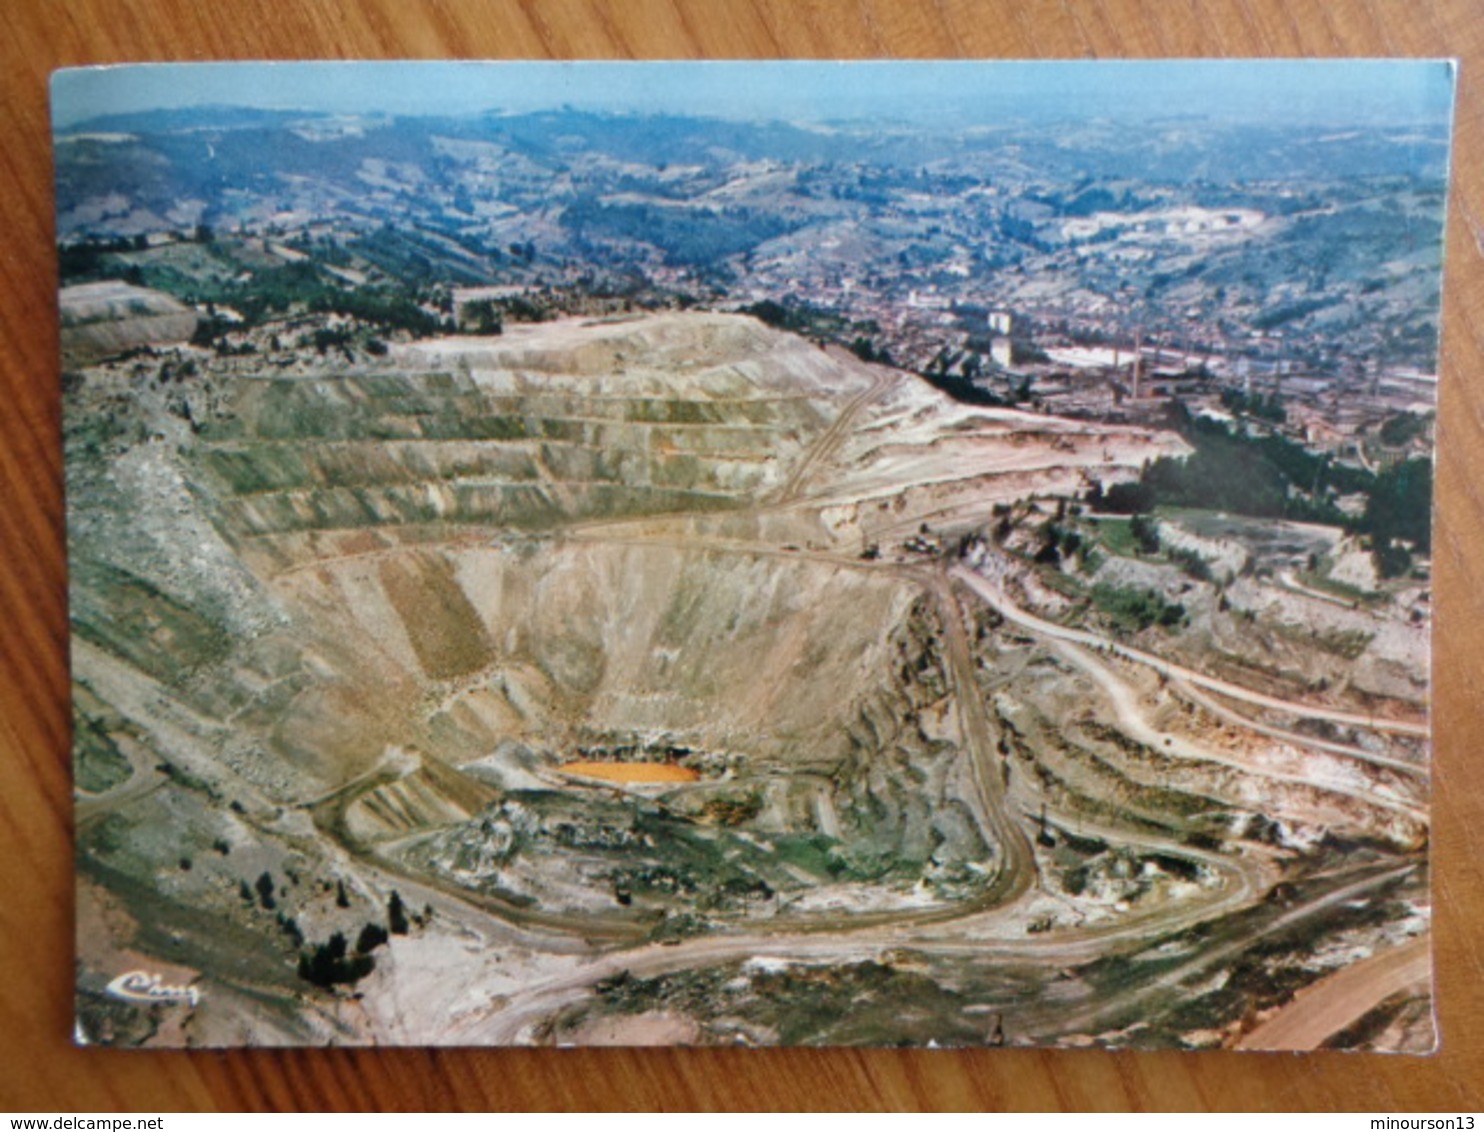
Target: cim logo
[(141, 986)]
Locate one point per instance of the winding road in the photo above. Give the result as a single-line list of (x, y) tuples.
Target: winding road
[(996, 598), (978, 931), (1323, 1009), (1132, 720), (834, 436)]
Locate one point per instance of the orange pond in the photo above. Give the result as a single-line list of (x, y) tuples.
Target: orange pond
[(633, 772)]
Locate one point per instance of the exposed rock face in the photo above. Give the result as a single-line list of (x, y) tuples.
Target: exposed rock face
[(338, 627)]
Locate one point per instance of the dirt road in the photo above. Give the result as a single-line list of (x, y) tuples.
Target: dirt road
[(1012, 612), (1134, 722), (1328, 1006), (1017, 860), (828, 444), (1109, 1009)]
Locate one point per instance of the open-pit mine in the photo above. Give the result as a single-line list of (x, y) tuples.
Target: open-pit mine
[(674, 678)]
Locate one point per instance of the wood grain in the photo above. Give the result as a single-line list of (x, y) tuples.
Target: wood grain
[(38, 1067)]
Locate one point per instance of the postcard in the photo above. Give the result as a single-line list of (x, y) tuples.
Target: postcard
[(928, 554)]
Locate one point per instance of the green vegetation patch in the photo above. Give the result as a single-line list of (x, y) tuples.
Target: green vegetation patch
[(129, 617), (1267, 971), (1116, 536), (816, 854), (248, 472), (1271, 476), (98, 764), (1319, 580), (686, 236), (1134, 609), (1065, 584), (1403, 428), (1178, 810), (642, 854), (1349, 644), (857, 1004)]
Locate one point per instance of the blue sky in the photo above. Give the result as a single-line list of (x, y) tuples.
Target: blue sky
[(1341, 92)]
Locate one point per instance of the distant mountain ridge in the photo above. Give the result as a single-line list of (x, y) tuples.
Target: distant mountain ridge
[(1168, 150)]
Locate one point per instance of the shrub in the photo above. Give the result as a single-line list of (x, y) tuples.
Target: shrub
[(396, 915), (328, 964)]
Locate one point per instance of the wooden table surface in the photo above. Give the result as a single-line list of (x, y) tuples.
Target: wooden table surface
[(39, 1069)]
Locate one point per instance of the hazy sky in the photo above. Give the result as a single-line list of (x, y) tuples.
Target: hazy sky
[(1327, 91)]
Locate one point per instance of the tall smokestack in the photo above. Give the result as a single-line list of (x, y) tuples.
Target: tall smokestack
[(1138, 359)]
